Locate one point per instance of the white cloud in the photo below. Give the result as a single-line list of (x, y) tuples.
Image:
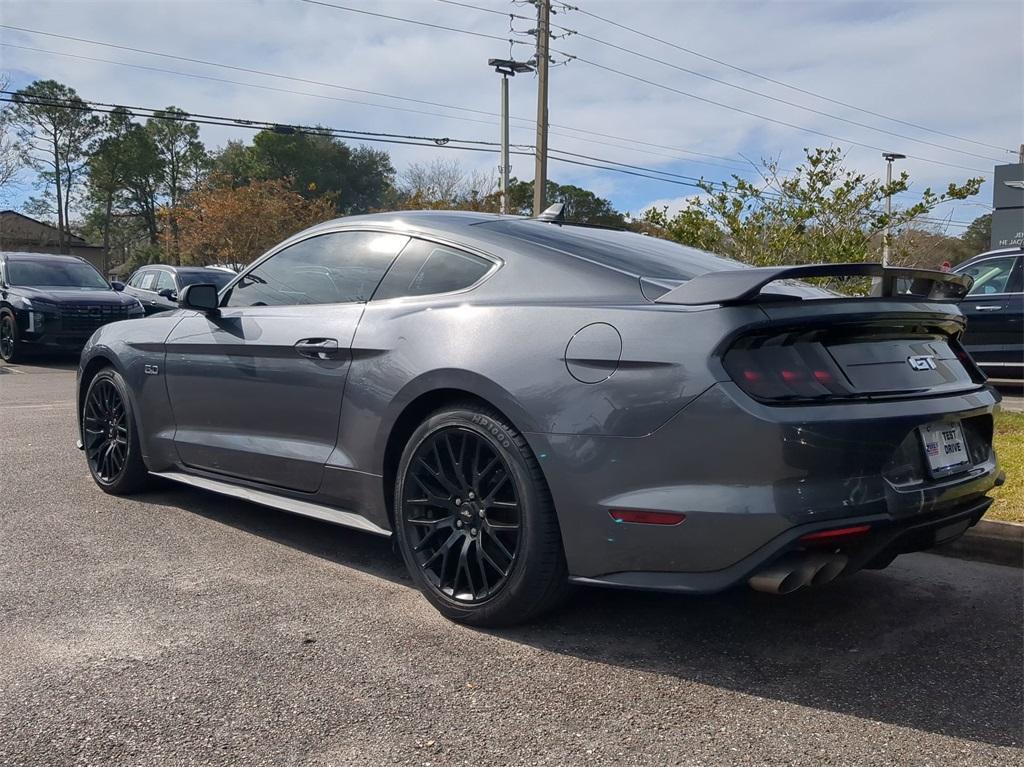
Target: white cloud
[(954, 67)]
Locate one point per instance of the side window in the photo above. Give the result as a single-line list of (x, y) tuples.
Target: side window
[(163, 280), (147, 280), (991, 275), (135, 279), (426, 268), (336, 268), (1016, 281)]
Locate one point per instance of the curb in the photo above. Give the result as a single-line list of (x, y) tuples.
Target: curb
[(998, 543)]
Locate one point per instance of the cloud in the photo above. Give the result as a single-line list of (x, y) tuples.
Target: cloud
[(956, 67)]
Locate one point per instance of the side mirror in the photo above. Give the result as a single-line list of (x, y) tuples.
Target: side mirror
[(167, 293), (200, 297), (118, 286)]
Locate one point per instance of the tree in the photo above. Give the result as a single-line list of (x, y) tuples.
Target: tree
[(55, 127), (183, 160), (579, 204), (822, 213), (977, 237), (357, 179), (445, 185), (221, 224), (108, 172)]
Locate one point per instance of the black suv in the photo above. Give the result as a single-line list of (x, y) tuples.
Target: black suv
[(55, 303), (157, 286), (995, 311)]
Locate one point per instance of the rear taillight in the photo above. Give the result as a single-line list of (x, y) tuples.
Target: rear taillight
[(794, 371)]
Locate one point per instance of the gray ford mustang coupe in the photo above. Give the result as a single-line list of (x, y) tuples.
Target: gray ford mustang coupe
[(526, 403)]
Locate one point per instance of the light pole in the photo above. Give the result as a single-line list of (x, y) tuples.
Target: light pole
[(889, 157), (506, 68)]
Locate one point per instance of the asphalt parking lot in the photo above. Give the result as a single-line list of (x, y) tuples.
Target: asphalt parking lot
[(183, 628)]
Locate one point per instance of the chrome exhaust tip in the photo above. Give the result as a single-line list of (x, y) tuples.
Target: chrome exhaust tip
[(830, 570), (784, 577)]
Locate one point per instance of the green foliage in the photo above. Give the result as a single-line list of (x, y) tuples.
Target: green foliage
[(55, 140), (356, 178), (977, 237), (822, 213), (579, 204)]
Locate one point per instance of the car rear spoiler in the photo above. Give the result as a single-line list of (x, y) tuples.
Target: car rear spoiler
[(745, 285)]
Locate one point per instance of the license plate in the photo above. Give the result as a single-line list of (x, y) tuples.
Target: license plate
[(944, 446)]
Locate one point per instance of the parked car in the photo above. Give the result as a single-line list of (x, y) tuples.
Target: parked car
[(54, 303), (994, 308), (525, 403), (157, 286)]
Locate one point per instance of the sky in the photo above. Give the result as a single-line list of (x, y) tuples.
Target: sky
[(953, 71)]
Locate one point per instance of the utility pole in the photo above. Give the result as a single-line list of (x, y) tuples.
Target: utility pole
[(889, 158), (540, 176), (506, 68)]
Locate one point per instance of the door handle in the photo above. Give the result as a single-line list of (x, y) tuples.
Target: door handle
[(988, 307), (318, 348)]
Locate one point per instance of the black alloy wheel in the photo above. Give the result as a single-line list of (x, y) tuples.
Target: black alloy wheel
[(474, 519), (105, 431), (109, 436), (8, 338), (462, 514)]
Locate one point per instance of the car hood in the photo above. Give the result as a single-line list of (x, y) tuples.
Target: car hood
[(77, 296)]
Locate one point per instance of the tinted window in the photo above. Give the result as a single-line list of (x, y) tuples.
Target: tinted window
[(991, 275), (54, 274), (209, 277), (333, 268), (164, 280), (136, 279), (425, 268)]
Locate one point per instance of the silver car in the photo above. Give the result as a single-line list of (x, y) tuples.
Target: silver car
[(527, 404)]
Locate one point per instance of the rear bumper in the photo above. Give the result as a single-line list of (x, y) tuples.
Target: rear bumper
[(887, 539), (750, 479)]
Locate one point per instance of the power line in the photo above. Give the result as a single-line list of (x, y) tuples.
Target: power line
[(740, 110), (774, 81), (739, 87), (387, 138), (249, 70), (293, 78), (510, 41), (632, 140), (656, 84), (784, 101)]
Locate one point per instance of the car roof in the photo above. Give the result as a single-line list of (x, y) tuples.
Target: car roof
[(1014, 251), (505, 235), (172, 268), (20, 255)]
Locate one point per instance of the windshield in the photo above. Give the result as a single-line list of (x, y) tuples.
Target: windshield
[(54, 274), (212, 277)]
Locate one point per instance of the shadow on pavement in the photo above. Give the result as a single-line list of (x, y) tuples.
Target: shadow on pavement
[(931, 644)]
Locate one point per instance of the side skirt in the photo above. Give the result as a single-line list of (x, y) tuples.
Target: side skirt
[(291, 505)]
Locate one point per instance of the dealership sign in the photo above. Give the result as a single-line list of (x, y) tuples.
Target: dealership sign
[(1008, 201)]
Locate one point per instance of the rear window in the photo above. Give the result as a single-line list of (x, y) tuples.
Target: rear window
[(426, 268), (628, 252), (211, 277)]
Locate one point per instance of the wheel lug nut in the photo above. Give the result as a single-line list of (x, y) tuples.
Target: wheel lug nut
[(481, 513), (472, 531), (458, 501), (471, 496)]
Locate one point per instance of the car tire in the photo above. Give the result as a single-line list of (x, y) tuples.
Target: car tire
[(9, 343), (110, 436), (512, 574)]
